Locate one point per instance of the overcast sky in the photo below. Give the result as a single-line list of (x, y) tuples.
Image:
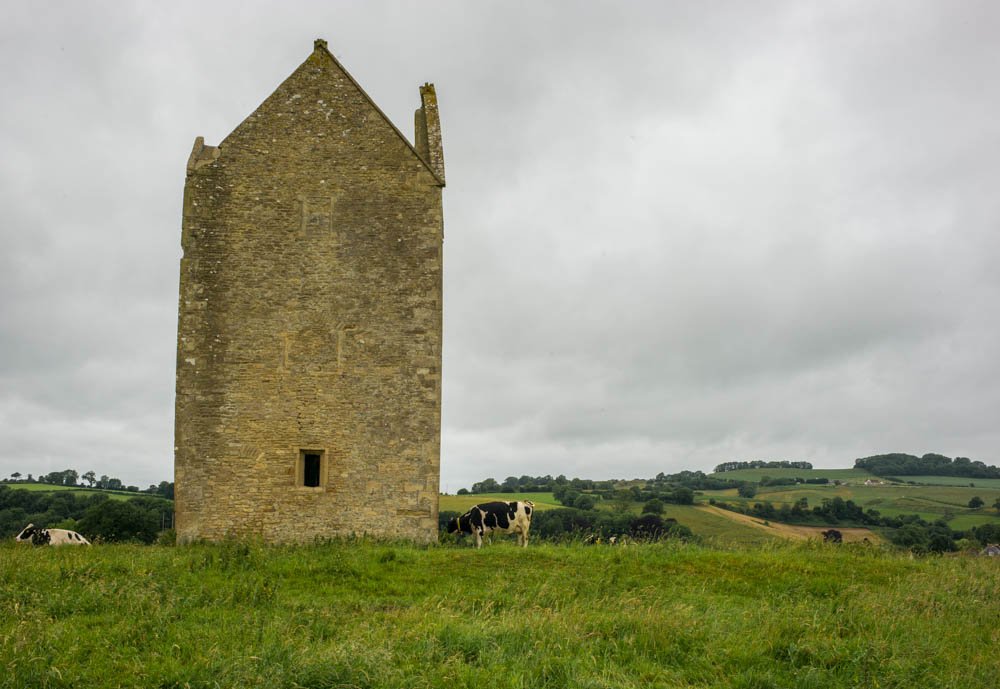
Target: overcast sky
[(676, 233)]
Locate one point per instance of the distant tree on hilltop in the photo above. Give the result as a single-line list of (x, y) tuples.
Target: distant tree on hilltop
[(899, 464), (762, 464)]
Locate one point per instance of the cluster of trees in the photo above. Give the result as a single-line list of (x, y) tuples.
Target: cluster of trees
[(762, 464), (650, 488), (533, 484), (623, 497), (96, 516), (834, 510), (71, 477), (748, 489), (695, 480), (976, 502), (898, 464), (937, 537)]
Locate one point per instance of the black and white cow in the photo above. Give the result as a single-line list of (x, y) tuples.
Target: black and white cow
[(36, 535), (502, 517)]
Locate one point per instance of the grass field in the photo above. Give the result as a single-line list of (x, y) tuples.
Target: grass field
[(953, 481), (461, 503), (718, 528), (81, 492), (931, 502), (376, 615)]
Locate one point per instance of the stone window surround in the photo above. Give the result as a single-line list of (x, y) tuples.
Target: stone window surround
[(300, 467)]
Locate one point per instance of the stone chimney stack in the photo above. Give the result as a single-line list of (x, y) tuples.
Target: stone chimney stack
[(428, 130)]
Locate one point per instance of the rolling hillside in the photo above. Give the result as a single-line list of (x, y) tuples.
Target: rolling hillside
[(81, 492)]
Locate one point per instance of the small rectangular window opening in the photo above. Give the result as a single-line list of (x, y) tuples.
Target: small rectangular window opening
[(311, 468)]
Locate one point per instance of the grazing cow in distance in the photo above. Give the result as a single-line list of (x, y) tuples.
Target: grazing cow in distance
[(502, 517), (36, 535), (832, 536)]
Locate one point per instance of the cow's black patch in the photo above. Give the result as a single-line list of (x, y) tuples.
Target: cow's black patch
[(40, 537), (496, 515), (462, 524)]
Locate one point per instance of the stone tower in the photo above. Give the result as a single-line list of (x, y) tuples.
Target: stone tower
[(308, 401)]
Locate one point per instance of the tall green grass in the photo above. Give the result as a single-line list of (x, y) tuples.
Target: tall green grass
[(393, 615)]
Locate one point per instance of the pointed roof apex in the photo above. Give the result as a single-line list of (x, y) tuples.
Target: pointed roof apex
[(320, 43)]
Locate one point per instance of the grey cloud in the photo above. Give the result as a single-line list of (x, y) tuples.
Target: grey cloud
[(676, 233)]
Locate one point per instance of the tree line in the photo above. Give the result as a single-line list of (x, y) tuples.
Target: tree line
[(762, 464), (72, 478), (899, 464), (694, 480), (97, 516)]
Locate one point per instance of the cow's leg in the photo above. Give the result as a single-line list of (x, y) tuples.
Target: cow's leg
[(479, 538)]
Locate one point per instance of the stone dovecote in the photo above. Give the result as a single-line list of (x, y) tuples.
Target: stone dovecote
[(308, 400)]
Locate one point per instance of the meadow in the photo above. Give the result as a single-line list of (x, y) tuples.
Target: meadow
[(366, 614), (461, 503), (80, 492), (946, 500), (953, 481)]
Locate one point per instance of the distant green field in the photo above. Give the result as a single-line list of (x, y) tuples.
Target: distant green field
[(968, 520), (715, 528), (757, 474), (930, 502), (953, 481), (461, 503), (82, 492)]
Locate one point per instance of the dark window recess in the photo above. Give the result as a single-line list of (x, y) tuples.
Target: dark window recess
[(310, 470)]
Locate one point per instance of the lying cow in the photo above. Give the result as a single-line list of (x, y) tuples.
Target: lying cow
[(832, 536), (36, 535), (502, 517)]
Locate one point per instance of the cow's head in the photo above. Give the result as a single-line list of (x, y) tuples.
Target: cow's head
[(461, 524), (26, 534)]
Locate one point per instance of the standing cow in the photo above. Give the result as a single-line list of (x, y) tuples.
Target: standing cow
[(502, 517), (36, 535)]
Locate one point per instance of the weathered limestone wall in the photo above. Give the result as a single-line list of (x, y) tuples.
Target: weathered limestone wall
[(310, 319)]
